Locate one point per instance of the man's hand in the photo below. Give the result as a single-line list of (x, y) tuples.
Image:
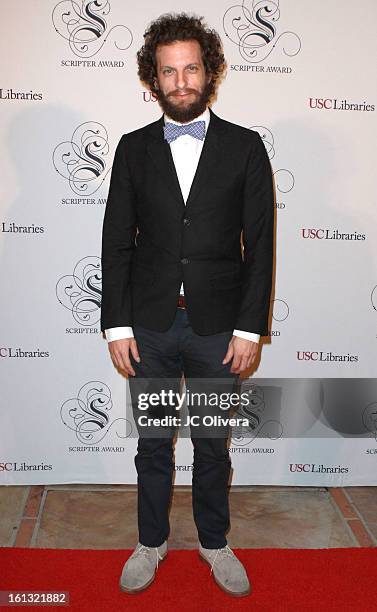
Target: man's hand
[(119, 352), (243, 353)]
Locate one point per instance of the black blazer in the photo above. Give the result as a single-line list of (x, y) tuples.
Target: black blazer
[(152, 240)]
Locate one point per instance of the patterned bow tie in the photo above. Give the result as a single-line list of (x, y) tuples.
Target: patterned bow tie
[(197, 129)]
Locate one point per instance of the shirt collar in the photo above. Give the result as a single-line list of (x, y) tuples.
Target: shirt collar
[(203, 117)]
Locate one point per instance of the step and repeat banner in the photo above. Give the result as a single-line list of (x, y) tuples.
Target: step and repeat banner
[(302, 74)]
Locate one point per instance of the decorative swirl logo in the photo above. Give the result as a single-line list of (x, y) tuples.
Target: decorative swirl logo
[(284, 178), (280, 310), (370, 418), (85, 28), (81, 292), (250, 26), (80, 160), (373, 297), (88, 414), (253, 411)]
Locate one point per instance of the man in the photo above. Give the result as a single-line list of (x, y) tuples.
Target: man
[(179, 296)]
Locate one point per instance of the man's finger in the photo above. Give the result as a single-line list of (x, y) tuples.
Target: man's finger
[(251, 359), (114, 359), (126, 364), (240, 362), (236, 362), (229, 353), (121, 359), (134, 351), (244, 363)]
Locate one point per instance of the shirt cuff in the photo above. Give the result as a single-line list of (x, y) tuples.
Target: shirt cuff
[(246, 335), (118, 333)]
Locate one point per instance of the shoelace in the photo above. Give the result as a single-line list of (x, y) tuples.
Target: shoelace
[(144, 550), (226, 551)]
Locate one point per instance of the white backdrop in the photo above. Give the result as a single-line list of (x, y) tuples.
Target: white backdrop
[(300, 73)]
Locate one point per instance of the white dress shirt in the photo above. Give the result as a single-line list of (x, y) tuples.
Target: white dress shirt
[(186, 152)]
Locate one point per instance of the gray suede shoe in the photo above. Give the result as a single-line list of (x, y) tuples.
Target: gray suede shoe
[(140, 568), (228, 571)]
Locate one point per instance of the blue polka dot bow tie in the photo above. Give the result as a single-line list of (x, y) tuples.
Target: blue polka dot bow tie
[(196, 129)]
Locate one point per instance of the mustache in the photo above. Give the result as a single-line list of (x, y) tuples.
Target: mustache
[(182, 91)]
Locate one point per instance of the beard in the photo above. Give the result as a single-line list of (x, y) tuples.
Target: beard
[(185, 112)]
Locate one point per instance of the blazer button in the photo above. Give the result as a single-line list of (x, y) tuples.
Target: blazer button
[(185, 260), (186, 221)]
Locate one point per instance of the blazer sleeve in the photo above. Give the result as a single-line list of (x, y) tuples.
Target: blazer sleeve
[(258, 240), (118, 243)]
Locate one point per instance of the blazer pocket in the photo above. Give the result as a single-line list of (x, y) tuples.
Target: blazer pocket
[(225, 280), (142, 274)]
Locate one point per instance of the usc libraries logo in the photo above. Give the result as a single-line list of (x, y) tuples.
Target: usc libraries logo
[(325, 356), (321, 469), (319, 233), (335, 104)]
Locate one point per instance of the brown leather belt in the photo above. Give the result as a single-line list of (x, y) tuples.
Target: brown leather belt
[(181, 302)]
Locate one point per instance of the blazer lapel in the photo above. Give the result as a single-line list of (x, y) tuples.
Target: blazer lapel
[(159, 150), (209, 160)]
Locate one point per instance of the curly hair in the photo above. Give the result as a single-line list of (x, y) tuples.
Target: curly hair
[(172, 27)]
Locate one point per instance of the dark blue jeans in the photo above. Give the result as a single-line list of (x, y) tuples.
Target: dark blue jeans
[(165, 356)]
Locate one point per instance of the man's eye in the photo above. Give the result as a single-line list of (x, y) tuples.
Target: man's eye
[(166, 71)]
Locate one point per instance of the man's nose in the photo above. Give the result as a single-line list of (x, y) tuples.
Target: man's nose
[(181, 80)]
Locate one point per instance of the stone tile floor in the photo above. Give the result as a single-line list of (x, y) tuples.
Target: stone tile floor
[(104, 517)]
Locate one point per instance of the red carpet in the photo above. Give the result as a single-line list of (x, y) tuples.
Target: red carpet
[(341, 579)]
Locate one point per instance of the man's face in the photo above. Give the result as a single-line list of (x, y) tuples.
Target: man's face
[(183, 85)]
